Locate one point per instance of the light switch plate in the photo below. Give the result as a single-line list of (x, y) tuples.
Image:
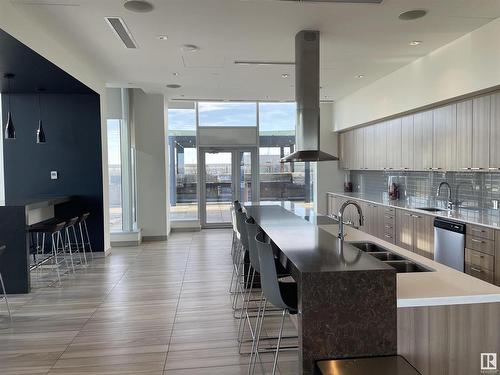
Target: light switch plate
[(53, 175)]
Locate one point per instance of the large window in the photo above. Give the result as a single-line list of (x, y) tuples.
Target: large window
[(183, 163), (115, 175), (288, 181), (227, 114)]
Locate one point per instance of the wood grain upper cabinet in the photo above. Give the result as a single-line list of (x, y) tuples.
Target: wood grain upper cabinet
[(370, 147), (481, 114), (423, 235), (381, 145), (464, 134), (358, 149), (346, 143), (422, 140), (494, 162), (407, 142), (444, 151), (393, 129)]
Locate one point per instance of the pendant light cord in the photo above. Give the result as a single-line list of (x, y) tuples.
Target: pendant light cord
[(8, 88), (39, 105)]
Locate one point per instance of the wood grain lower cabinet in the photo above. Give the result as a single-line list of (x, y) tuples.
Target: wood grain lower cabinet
[(415, 232)]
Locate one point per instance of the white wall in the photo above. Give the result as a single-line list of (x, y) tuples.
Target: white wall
[(69, 57), (328, 175), (468, 64), (149, 124)]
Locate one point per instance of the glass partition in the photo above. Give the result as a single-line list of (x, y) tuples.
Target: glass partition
[(115, 175)]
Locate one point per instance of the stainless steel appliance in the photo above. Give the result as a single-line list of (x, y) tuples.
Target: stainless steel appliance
[(449, 243)]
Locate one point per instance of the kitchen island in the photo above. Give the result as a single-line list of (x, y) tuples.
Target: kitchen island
[(445, 319), (15, 217)]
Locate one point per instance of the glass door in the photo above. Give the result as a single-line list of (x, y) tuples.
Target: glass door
[(227, 175)]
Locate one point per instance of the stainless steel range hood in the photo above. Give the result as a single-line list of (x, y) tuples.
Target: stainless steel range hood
[(307, 98)]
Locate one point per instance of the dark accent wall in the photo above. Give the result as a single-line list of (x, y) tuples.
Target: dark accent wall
[(72, 124)]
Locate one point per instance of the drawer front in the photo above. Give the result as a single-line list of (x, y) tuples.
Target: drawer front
[(482, 232), (480, 273), (480, 244), (480, 260)]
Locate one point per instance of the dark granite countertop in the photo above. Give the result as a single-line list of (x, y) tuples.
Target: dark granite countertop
[(34, 203), (308, 247)]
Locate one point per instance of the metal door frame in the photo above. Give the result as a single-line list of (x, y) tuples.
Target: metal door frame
[(235, 178)]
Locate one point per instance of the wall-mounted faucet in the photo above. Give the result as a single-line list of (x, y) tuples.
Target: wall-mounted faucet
[(341, 217)]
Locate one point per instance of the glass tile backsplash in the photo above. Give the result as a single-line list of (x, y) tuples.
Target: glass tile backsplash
[(473, 189)]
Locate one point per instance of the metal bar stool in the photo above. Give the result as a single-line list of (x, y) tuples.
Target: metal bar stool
[(57, 256), (4, 292), (84, 236), (282, 295), (241, 277), (235, 244), (252, 230), (69, 228)]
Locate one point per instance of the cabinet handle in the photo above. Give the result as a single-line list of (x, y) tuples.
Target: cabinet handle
[(493, 169), (476, 269), (416, 216), (388, 227), (477, 230), (477, 255), (408, 215), (478, 241), (466, 168), (387, 236), (477, 168)]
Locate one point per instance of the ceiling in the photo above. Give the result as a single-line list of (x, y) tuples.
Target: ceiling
[(32, 71), (356, 39)]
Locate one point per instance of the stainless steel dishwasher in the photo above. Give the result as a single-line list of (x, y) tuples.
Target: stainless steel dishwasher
[(449, 243)]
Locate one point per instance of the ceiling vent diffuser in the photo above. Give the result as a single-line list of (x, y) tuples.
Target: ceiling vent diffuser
[(338, 1), (121, 30)]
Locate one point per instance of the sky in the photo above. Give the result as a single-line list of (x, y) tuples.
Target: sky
[(272, 116)]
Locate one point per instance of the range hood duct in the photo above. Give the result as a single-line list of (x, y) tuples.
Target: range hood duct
[(307, 97)]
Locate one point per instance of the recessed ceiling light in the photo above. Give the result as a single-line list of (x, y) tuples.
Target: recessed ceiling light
[(138, 6), (189, 48), (359, 76), (415, 43), (175, 74), (412, 14), (162, 37), (174, 86), (284, 75)]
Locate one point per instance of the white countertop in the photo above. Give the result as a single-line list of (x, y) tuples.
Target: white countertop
[(484, 218), (444, 286)]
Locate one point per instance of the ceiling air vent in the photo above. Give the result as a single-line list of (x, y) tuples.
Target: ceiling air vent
[(121, 30)]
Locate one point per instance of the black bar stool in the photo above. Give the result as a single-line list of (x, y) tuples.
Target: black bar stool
[(4, 292), (53, 229)]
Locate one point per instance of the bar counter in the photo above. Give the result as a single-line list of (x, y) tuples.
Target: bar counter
[(15, 217)]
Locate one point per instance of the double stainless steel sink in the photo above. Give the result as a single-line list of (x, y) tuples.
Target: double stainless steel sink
[(400, 263)]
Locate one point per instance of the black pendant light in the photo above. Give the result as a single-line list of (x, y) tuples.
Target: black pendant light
[(40, 134), (10, 130)]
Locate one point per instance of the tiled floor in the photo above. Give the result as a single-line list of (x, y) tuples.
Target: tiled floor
[(161, 308)]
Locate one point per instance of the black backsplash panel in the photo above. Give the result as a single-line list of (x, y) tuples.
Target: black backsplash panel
[(475, 189)]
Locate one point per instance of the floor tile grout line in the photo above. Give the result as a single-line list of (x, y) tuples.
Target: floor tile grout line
[(97, 308), (178, 302)]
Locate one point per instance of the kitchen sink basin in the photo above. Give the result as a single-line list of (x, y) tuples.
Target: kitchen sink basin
[(385, 256), (405, 266), (399, 262), (431, 209), (368, 247)]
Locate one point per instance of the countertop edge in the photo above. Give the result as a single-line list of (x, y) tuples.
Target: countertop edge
[(446, 301)]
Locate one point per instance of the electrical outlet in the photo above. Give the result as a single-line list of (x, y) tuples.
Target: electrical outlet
[(54, 175)]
